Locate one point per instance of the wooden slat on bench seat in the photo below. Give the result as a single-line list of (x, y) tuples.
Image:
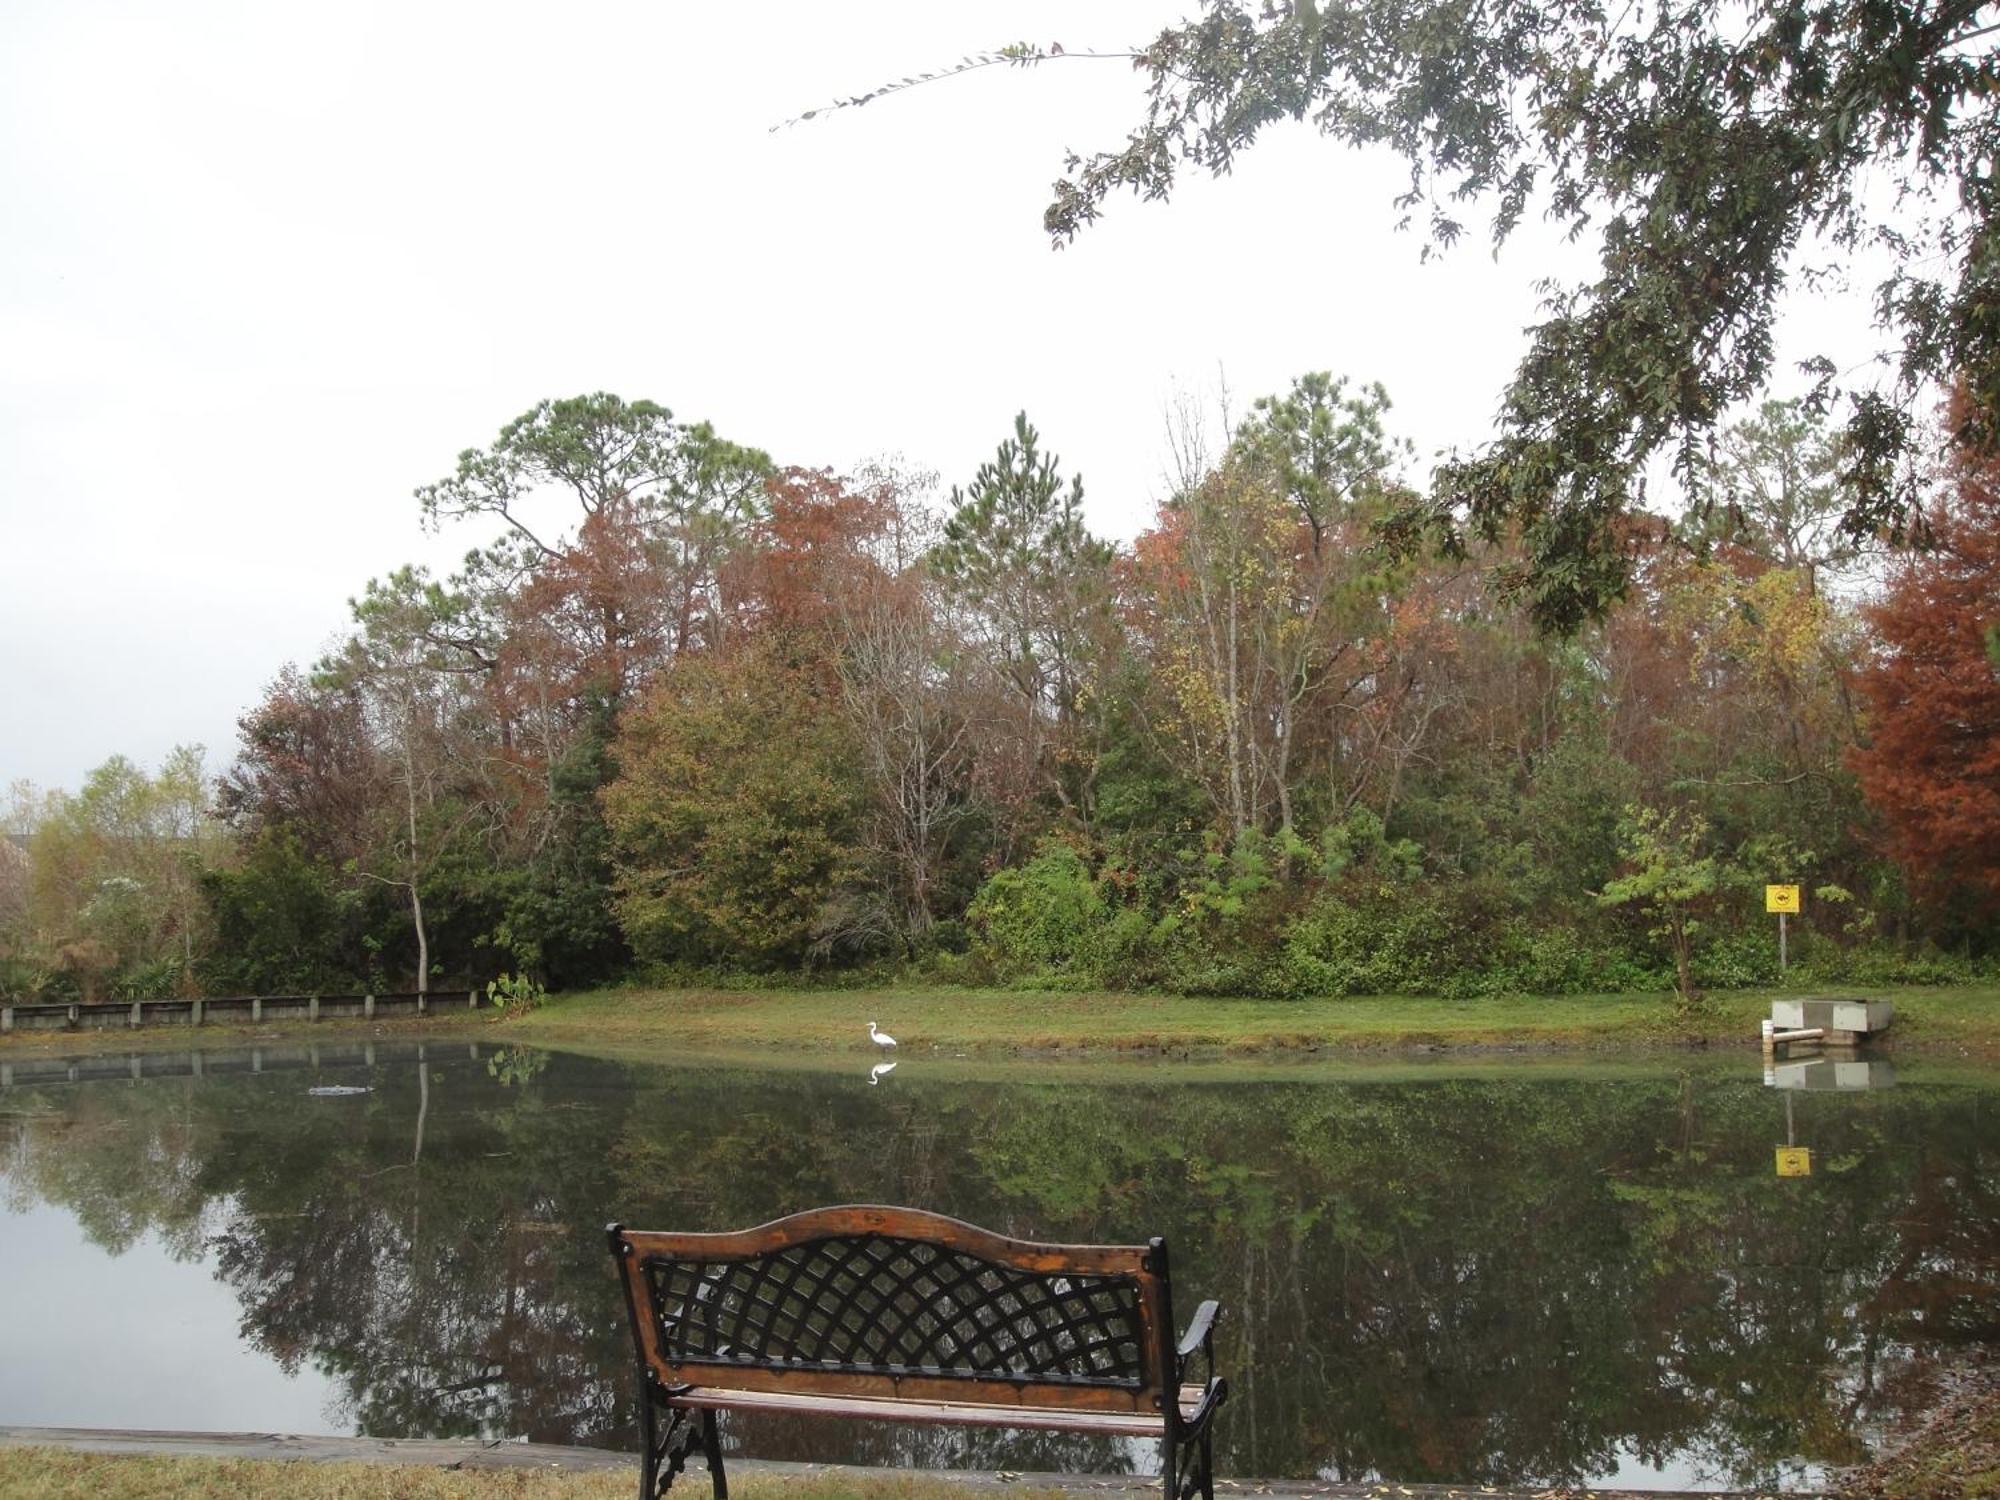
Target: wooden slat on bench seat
[(955, 1413)]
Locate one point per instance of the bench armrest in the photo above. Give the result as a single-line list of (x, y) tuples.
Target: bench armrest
[(1200, 1329), (1200, 1336)]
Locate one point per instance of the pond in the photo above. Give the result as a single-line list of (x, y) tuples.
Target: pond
[(1508, 1274)]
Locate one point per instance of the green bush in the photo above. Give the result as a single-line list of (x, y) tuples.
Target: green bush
[(159, 980), (947, 936), (516, 994), (1889, 963), (1736, 959), (1374, 939), (1044, 917), (1458, 939), (281, 924), (23, 979)]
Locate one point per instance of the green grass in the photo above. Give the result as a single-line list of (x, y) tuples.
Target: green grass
[(1961, 1021), (984, 1020), (58, 1474), (1954, 1456)]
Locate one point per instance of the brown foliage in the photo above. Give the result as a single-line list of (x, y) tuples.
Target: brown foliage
[(306, 763), (817, 546), (1932, 764)]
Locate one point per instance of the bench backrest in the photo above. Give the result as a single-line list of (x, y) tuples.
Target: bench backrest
[(872, 1301)]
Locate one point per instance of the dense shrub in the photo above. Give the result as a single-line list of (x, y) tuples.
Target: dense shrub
[(281, 924), (161, 979), (1890, 963), (1045, 917), (1729, 960), (1455, 938)]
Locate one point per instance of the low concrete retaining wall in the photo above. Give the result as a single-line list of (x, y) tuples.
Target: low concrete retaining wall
[(269, 1058), (252, 1010)]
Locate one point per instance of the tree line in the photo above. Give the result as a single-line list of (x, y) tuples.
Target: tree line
[(686, 711)]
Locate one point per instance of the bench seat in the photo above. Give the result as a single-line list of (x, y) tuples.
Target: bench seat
[(948, 1413)]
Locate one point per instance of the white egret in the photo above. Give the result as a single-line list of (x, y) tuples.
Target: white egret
[(881, 1039)]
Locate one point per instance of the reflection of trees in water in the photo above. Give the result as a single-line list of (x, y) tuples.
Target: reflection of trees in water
[(1455, 1279), (129, 1162), (452, 1291)]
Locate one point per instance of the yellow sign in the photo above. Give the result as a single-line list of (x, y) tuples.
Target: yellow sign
[(1795, 1161), (1782, 898)]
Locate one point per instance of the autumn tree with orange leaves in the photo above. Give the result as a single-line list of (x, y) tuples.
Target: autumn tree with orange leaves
[(1931, 765)]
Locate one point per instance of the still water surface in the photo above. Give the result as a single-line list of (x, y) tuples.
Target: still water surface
[(1515, 1276)]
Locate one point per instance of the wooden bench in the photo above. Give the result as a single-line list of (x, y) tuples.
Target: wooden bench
[(896, 1315)]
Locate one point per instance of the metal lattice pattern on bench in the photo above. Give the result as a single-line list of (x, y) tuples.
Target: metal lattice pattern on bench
[(881, 1305)]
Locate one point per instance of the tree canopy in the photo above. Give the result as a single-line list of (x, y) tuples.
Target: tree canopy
[(1717, 155), (847, 721)]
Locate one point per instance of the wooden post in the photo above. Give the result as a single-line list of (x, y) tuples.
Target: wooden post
[(421, 998), (1781, 945), (368, 1006), (197, 1013), (135, 1013), (312, 1008), (256, 1009), (6, 1018)]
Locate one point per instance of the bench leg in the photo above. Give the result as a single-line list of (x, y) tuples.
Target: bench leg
[(711, 1441), (1187, 1469), (667, 1434)]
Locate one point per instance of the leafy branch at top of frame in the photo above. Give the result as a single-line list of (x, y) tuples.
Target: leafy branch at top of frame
[(1013, 55)]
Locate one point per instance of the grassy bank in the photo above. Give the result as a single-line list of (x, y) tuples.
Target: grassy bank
[(58, 1474), (1959, 1021), (1956, 1020), (1955, 1455)]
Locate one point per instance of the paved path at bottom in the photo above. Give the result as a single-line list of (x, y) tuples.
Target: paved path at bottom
[(465, 1453)]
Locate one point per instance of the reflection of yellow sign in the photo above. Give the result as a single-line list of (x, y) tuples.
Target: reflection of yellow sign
[(1781, 898), (1795, 1161)]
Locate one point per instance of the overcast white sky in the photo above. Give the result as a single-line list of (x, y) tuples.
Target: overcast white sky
[(265, 268)]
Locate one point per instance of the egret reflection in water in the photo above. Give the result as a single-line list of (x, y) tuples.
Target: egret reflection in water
[(880, 1071)]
